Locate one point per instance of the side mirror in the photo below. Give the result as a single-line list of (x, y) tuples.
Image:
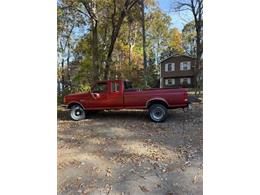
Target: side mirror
[(95, 95)]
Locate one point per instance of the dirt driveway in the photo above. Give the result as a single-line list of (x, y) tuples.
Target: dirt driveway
[(122, 152)]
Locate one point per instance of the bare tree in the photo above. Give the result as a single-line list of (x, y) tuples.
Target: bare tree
[(196, 8)]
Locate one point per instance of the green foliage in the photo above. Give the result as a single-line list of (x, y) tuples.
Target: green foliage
[(158, 32), (60, 97), (152, 76), (82, 88), (189, 38)]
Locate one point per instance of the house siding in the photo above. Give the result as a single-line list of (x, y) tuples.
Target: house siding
[(177, 74)]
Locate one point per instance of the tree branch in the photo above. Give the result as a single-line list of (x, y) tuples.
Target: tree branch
[(90, 12)]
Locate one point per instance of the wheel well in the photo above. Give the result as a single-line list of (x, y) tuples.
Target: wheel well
[(74, 104), (157, 102)]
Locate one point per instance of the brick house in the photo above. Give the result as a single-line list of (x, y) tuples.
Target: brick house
[(177, 71)]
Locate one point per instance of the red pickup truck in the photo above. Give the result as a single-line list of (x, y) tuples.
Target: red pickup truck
[(119, 94)]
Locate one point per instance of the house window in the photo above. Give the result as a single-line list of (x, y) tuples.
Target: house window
[(169, 81), (185, 65), (185, 81), (169, 67)]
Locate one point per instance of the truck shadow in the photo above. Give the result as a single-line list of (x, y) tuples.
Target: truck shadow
[(108, 115), (119, 115), (123, 115)]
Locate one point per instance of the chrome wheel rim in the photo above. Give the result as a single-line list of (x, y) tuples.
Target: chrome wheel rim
[(77, 113), (157, 113)]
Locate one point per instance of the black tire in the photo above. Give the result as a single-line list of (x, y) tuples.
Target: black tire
[(77, 113), (157, 113)]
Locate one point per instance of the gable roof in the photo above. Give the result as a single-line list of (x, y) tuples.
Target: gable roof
[(175, 56)]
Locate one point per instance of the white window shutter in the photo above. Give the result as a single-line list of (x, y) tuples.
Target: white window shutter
[(166, 67), (181, 66), (189, 81), (166, 81), (173, 66), (173, 81), (189, 65)]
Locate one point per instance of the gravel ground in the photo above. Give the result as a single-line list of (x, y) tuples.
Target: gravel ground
[(122, 152)]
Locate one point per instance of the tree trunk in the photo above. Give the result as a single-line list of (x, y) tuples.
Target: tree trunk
[(129, 44), (144, 41), (58, 87), (95, 65), (114, 36), (198, 55), (68, 66), (62, 76), (91, 8)]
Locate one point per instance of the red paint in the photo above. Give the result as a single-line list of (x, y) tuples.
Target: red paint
[(132, 99)]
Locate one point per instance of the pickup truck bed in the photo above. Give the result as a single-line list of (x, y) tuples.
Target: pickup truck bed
[(142, 99)]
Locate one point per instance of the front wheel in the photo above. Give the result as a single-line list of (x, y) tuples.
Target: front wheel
[(157, 113), (77, 113)]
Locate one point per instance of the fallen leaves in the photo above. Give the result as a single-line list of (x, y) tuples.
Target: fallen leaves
[(143, 188), (108, 172), (110, 149), (195, 179)]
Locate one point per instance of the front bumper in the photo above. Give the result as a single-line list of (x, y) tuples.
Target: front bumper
[(64, 106)]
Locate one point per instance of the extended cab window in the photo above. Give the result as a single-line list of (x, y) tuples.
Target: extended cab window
[(128, 85), (100, 87)]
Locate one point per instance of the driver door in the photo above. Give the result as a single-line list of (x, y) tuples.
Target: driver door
[(98, 95)]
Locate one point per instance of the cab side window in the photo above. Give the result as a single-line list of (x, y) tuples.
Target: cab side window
[(100, 88), (115, 87), (128, 86)]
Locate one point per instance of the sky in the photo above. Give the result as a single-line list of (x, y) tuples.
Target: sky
[(177, 20)]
